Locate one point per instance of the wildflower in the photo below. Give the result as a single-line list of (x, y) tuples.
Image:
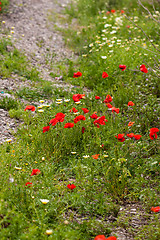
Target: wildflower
[(130, 124), (17, 168), (35, 172), (122, 67), (60, 117), (9, 140), (86, 156), (83, 129), (41, 110), (120, 137), (79, 118), (97, 97), (100, 121), (122, 11), (100, 237), (104, 75), (73, 110), (53, 121), (77, 74), (44, 201), (94, 116), (85, 110), (30, 108), (108, 99), (66, 100), (46, 129), (49, 232), (130, 135), (103, 57), (77, 97), (96, 156), (113, 11), (69, 125), (73, 153), (115, 110), (29, 184), (41, 101), (137, 137), (143, 68), (71, 186), (153, 132), (59, 100), (130, 103), (109, 105), (155, 209)]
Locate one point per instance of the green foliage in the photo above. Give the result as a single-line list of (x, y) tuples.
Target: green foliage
[(108, 174), (8, 103), (12, 61)]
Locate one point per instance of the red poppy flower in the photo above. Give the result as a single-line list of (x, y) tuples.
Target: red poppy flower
[(143, 68), (128, 26), (155, 209), (96, 156), (100, 237), (83, 129), (130, 124), (53, 121), (29, 184), (122, 67), (113, 11), (79, 118), (100, 121), (30, 108), (46, 129), (111, 238), (77, 97), (71, 186), (35, 172), (115, 110), (97, 97), (108, 12), (60, 117), (94, 116), (104, 75), (77, 74), (130, 103), (122, 11), (120, 137), (130, 135), (109, 105), (73, 110), (153, 132), (108, 99), (69, 125), (137, 137), (85, 110)]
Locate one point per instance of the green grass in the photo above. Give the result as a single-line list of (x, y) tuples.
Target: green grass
[(123, 173), (13, 61)]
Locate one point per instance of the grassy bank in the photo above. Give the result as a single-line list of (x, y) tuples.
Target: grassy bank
[(87, 164)]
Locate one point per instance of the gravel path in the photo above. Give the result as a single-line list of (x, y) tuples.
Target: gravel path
[(33, 34)]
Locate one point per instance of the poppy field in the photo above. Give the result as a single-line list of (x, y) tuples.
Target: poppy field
[(80, 158)]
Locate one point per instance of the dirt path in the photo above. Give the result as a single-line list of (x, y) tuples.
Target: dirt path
[(33, 34)]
